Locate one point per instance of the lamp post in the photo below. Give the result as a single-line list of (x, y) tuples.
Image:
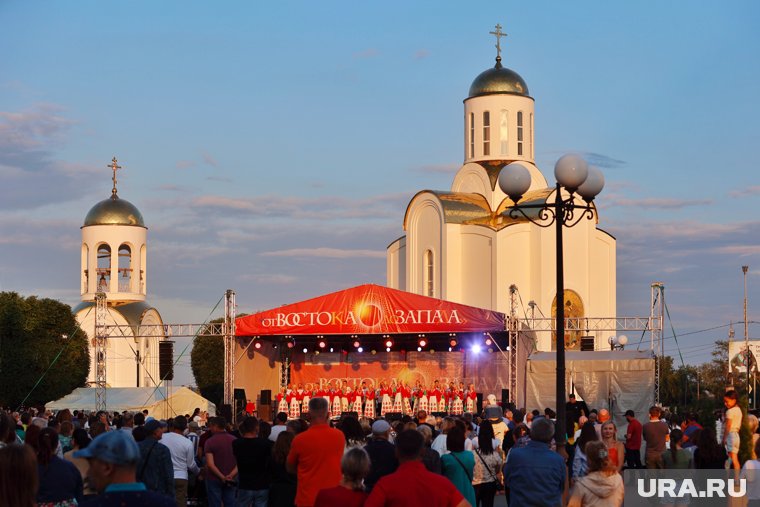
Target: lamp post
[(746, 334), (573, 176)]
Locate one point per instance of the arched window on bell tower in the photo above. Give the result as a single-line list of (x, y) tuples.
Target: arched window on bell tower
[(85, 269), (429, 278), (125, 268), (104, 268)]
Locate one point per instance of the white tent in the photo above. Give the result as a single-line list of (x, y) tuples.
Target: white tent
[(161, 403), (617, 380)]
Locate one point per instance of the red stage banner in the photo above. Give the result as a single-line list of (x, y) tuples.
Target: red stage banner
[(370, 309)]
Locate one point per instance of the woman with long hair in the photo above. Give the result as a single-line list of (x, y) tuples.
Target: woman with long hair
[(580, 461), (353, 431), (18, 476), (458, 465), (615, 448), (602, 486), (282, 488), (61, 483), (676, 458), (350, 492), (80, 440), (709, 454), (486, 477)]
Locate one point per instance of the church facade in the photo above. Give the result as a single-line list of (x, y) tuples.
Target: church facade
[(114, 261), (461, 244)]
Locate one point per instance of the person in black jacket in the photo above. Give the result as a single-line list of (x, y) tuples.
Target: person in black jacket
[(381, 452)]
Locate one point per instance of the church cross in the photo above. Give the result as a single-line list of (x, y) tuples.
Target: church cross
[(499, 34), (114, 167)]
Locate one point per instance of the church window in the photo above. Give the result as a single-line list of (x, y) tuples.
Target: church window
[(472, 135), (519, 132), (104, 268), (429, 274), (532, 152), (125, 268), (504, 132), (486, 133)]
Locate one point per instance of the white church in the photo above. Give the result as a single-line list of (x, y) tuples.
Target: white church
[(460, 245), (114, 261)]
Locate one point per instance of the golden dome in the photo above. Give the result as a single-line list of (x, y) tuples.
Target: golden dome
[(114, 211), (498, 79)]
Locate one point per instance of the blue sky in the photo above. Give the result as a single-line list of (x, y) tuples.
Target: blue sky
[(251, 133)]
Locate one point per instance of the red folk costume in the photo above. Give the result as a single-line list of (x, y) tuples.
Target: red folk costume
[(435, 401), (336, 403), (356, 402), (369, 405), (455, 402), (386, 405), (406, 394)]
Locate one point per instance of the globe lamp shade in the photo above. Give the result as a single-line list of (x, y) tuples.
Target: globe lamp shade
[(514, 180), (571, 171), (593, 185)]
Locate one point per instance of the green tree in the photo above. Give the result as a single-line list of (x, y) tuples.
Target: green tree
[(39, 342)]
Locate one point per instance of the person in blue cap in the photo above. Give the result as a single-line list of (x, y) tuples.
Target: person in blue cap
[(113, 457)]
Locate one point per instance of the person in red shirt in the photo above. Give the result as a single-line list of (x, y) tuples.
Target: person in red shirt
[(315, 455), (633, 441), (350, 492), (412, 484)]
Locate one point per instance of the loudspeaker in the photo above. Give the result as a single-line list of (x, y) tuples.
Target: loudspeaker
[(265, 413), (479, 404), (587, 343), (226, 412), (266, 397), (393, 416), (166, 360), (240, 395), (504, 398)]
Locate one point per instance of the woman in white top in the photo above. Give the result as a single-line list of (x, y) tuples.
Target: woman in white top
[(486, 477)]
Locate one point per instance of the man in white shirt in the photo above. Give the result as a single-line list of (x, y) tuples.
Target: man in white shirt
[(183, 458), (280, 422)]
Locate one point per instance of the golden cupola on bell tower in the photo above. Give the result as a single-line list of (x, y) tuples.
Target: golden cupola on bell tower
[(114, 249)]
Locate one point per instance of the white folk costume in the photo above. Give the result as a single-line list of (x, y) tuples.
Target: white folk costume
[(397, 401), (472, 402), (295, 405), (305, 402), (423, 401), (456, 402), (282, 403), (344, 404), (386, 405), (406, 394), (356, 406), (336, 403)]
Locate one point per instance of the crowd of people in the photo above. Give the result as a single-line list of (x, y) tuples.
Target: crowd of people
[(101, 459)]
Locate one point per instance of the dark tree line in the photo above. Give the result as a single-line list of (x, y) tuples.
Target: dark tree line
[(33, 332)]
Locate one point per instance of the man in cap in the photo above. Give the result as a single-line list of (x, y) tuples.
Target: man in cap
[(382, 453), (155, 468), (500, 428), (113, 459)]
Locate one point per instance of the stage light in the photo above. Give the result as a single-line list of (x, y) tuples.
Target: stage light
[(452, 343), (359, 349), (387, 349), (373, 352), (432, 351), (419, 349), (357, 344), (291, 345), (490, 351), (322, 344), (305, 350), (449, 349), (331, 349), (388, 343), (488, 342), (257, 345), (316, 352), (422, 342)]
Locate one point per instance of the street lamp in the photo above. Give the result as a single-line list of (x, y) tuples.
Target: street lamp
[(573, 176)]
